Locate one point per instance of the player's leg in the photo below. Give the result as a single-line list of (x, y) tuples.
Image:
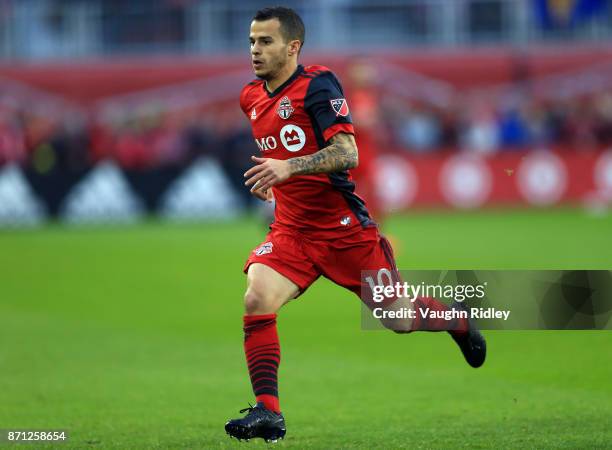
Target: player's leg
[(376, 255), (267, 291), (277, 271), (463, 331)]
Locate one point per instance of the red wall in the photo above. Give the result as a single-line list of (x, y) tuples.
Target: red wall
[(540, 178)]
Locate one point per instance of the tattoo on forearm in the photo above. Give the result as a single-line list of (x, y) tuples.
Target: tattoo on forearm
[(340, 155)]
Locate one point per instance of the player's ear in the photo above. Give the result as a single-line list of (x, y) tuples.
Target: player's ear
[(294, 47)]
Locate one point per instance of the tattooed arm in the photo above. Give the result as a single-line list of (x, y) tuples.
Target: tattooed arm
[(340, 155)]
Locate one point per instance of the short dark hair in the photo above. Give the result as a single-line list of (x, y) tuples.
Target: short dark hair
[(291, 25)]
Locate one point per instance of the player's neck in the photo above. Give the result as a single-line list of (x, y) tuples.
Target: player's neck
[(282, 76)]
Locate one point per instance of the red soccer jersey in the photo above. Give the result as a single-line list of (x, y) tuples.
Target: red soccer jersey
[(298, 119)]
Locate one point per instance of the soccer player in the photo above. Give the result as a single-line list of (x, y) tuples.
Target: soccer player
[(302, 126)]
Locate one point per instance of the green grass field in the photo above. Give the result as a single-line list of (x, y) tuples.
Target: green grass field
[(131, 338)]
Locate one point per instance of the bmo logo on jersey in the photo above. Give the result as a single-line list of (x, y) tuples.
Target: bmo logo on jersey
[(293, 137), (266, 143)]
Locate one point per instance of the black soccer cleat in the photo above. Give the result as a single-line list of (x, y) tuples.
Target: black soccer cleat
[(258, 423), (472, 344)]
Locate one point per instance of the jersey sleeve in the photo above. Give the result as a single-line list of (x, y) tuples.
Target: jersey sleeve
[(326, 104)]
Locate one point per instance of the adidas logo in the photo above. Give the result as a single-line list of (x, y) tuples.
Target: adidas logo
[(18, 203), (189, 196), (102, 196), (253, 114)]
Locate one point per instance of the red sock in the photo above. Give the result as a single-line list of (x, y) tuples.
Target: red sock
[(455, 326), (262, 351)]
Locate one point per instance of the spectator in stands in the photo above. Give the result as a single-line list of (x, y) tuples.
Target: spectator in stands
[(419, 129), (479, 129), (12, 139)]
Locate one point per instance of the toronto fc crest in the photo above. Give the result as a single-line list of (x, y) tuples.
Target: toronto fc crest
[(284, 108)]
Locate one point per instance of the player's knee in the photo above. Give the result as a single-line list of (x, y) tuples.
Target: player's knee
[(400, 326), (252, 301), (406, 331), (257, 302)]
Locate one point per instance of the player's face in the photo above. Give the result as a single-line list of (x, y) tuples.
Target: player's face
[(269, 51)]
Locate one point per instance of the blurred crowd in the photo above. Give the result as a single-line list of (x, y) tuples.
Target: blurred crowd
[(74, 140), (77, 140), (518, 122)]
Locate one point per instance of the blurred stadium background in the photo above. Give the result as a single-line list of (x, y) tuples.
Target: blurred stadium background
[(112, 110), (485, 134)]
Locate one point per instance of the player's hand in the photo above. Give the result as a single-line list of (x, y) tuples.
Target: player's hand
[(266, 173), (266, 196)]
